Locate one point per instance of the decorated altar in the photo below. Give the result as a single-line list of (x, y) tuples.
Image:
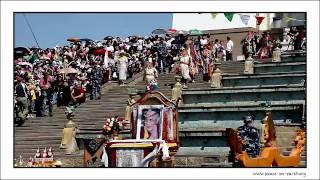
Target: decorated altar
[(151, 141), (153, 138)]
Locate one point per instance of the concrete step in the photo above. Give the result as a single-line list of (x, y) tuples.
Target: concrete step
[(270, 79), (215, 117), (280, 67), (241, 95), (216, 165)]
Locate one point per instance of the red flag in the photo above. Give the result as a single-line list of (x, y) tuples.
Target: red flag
[(259, 19)]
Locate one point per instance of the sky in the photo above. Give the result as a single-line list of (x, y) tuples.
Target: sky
[(53, 29)]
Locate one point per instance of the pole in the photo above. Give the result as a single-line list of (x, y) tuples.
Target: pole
[(31, 30)]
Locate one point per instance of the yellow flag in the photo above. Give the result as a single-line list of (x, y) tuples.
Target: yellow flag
[(214, 15)]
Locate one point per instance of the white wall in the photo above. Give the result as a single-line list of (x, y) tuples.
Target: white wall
[(267, 21), (204, 21)]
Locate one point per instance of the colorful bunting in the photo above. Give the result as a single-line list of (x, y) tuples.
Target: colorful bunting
[(293, 19), (229, 16), (276, 18), (244, 18), (214, 15), (259, 19), (289, 19)]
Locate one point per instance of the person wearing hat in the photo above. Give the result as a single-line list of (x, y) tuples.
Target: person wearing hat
[(150, 73), (250, 136), (185, 61), (123, 67), (21, 92), (151, 122)]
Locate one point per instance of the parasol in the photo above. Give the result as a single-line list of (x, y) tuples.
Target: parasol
[(68, 70), (73, 39), (108, 38), (159, 31), (195, 32), (25, 64), (181, 32), (171, 31), (21, 50), (86, 40), (99, 51)]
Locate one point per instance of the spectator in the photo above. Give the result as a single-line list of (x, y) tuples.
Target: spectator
[(21, 92), (229, 49), (123, 66), (47, 90), (77, 94)]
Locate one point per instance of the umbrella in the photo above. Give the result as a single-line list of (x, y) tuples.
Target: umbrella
[(25, 64), (171, 31), (68, 70), (108, 38), (21, 50), (181, 32), (73, 39), (195, 32), (99, 51), (159, 31), (86, 40)]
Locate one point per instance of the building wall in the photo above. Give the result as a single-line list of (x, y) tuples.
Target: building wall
[(236, 35), (205, 21)]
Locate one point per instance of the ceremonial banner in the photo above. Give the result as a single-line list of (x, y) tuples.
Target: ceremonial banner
[(229, 16), (214, 15), (245, 18), (259, 19)]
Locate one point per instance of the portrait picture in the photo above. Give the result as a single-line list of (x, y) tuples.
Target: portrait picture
[(150, 121)]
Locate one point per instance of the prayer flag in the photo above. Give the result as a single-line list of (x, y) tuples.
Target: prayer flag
[(259, 19), (214, 15), (245, 19), (229, 16)]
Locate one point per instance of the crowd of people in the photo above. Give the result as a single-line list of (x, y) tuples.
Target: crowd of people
[(64, 75), (263, 45)]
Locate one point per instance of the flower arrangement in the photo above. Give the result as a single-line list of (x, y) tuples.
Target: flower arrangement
[(112, 125), (153, 85)]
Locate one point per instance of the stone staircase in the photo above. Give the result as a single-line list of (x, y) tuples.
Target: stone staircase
[(47, 131), (206, 112)]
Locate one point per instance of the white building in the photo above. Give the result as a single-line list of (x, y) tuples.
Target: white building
[(205, 21)]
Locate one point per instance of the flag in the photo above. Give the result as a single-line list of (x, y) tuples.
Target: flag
[(214, 15), (229, 16), (259, 19), (290, 19), (277, 22), (245, 18), (276, 19)]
